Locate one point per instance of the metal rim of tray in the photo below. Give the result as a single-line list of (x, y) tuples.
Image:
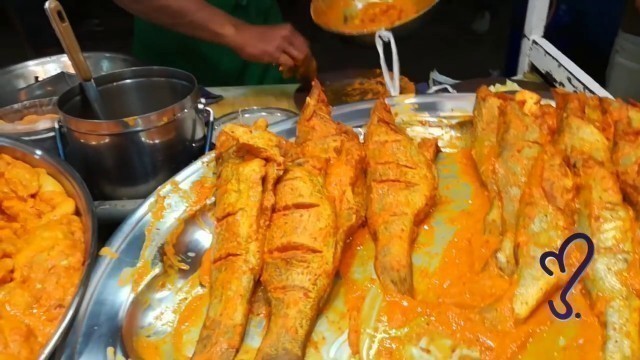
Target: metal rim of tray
[(100, 318)]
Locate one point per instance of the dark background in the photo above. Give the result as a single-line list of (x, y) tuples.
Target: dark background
[(583, 29)]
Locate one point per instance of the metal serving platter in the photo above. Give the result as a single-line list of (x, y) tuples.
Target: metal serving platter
[(76, 189), (106, 323)]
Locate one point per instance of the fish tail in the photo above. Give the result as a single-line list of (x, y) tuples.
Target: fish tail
[(290, 325), (223, 331)]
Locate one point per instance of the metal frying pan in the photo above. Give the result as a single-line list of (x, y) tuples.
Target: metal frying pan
[(324, 14)]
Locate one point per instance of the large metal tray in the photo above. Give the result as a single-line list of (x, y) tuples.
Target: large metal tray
[(99, 326)]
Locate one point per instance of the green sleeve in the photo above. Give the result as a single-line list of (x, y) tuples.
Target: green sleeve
[(211, 64)]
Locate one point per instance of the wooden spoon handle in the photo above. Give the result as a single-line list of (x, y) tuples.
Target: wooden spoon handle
[(67, 38)]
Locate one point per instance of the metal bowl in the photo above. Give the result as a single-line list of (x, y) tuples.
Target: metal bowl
[(77, 190), (367, 37), (43, 138), (21, 82)]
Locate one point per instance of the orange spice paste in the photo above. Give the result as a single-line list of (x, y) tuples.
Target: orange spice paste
[(345, 16), (467, 299)]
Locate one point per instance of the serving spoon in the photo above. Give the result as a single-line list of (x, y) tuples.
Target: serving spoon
[(62, 27)]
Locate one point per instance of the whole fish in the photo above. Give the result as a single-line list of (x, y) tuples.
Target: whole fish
[(528, 126), (586, 135), (333, 150), (298, 264), (546, 217), (401, 190), (487, 127), (248, 162)]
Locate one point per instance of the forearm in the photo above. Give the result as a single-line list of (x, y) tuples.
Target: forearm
[(195, 18)]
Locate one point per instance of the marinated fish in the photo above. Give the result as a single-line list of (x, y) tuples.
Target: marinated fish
[(626, 153), (528, 127), (334, 150), (401, 190), (298, 264), (587, 137), (486, 149), (585, 132), (545, 218), (249, 163), (610, 223)]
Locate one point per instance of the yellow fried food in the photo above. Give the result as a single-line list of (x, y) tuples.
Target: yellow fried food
[(41, 257), (528, 127), (401, 190), (249, 163), (298, 264)]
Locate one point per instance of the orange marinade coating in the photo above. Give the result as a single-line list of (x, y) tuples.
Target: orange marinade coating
[(41, 257), (344, 15), (383, 14)]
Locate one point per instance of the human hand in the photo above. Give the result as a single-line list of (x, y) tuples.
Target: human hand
[(275, 44)]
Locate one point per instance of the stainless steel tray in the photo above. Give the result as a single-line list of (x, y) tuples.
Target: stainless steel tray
[(99, 326)]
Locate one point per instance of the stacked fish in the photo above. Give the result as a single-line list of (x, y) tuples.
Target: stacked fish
[(285, 209), (551, 172)]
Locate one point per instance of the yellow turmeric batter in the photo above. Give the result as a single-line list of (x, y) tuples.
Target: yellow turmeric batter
[(41, 257)]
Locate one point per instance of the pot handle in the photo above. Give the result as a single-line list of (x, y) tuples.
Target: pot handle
[(209, 123), (58, 131)]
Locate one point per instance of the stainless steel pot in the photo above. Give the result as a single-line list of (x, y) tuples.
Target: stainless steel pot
[(77, 190), (41, 137), (154, 128)]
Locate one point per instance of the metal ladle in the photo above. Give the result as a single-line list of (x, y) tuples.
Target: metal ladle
[(67, 38), (151, 309)]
